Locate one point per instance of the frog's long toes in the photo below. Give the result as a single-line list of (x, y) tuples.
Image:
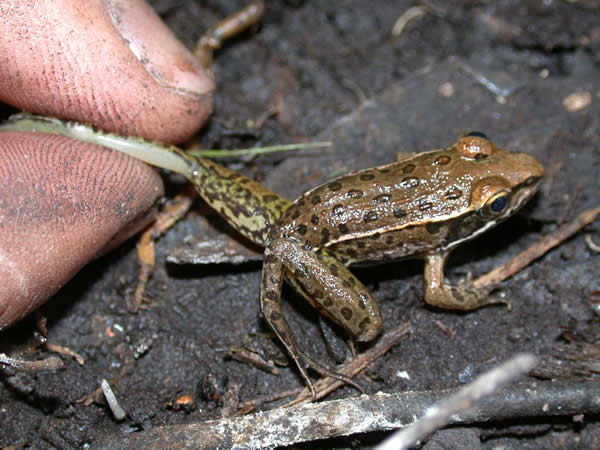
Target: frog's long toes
[(325, 372)]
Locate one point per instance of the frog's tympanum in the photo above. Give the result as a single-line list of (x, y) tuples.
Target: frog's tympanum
[(421, 207)]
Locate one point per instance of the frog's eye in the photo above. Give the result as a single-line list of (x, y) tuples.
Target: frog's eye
[(496, 204), (477, 134)]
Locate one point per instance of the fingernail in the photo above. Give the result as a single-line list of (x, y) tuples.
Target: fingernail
[(162, 55)]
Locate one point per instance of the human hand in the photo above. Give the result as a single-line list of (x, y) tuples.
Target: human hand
[(112, 64)]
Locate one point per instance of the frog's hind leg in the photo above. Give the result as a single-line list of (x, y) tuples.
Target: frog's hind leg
[(335, 292), (334, 296)]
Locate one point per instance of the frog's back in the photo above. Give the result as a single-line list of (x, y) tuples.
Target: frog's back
[(401, 209)]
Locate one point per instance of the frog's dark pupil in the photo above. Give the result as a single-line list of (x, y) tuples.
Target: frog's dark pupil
[(477, 134), (499, 204)]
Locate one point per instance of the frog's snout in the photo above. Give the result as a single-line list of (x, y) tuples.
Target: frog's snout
[(527, 165), (533, 166)]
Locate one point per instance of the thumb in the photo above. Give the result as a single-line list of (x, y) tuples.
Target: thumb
[(110, 63)]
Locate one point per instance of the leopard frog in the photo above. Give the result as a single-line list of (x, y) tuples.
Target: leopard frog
[(421, 207)]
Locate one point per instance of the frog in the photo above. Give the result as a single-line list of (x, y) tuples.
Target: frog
[(421, 207)]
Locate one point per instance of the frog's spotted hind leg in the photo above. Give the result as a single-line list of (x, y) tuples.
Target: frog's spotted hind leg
[(270, 297), (328, 285)]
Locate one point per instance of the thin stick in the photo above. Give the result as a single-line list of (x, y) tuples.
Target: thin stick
[(223, 153), (508, 269), (50, 363), (326, 385), (438, 416)]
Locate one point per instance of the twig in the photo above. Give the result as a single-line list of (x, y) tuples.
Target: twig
[(309, 422), (591, 244), (247, 356), (408, 15), (65, 351), (326, 385), (118, 412), (250, 405), (508, 269), (439, 415), (50, 363)]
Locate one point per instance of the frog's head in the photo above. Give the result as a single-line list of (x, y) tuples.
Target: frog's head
[(507, 179)]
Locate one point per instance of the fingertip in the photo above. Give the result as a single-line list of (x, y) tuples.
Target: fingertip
[(61, 203), (113, 65)]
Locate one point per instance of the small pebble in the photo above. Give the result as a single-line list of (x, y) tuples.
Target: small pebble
[(577, 101), (446, 90)]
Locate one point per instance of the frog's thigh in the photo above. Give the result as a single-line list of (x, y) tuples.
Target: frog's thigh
[(443, 295), (332, 289)]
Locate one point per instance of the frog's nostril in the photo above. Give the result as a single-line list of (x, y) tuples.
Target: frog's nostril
[(477, 134)]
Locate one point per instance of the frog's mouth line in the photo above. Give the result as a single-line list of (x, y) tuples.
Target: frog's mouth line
[(483, 229)]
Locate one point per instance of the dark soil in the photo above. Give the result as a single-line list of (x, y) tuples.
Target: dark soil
[(333, 70)]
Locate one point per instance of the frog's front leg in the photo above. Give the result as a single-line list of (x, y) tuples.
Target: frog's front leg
[(442, 295), (328, 285)]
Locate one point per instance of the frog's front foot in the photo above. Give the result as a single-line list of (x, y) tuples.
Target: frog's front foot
[(463, 296)]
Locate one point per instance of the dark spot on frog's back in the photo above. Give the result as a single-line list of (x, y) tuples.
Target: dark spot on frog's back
[(442, 160), (346, 313), (370, 216), (366, 176), (343, 228), (315, 200), (335, 186), (408, 168), (453, 193), (302, 229), (409, 182), (399, 213), (269, 198), (314, 219), (355, 193), (425, 205)]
